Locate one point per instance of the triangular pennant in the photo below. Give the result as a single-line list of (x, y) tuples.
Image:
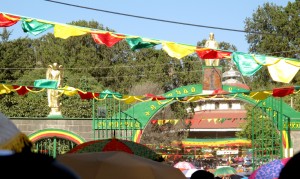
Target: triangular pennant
[(8, 20), (246, 63), (177, 50), (107, 38), (35, 27), (22, 90), (281, 71), (5, 89), (138, 43), (87, 95), (66, 31), (205, 53), (44, 83), (261, 95), (69, 91), (281, 92)]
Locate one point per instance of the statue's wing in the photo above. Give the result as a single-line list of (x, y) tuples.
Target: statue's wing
[(48, 72), (60, 67)]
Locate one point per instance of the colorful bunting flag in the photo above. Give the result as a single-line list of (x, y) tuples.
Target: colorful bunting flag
[(44, 83), (280, 70), (8, 20), (205, 53), (154, 97), (5, 89), (138, 43), (281, 92), (87, 95), (261, 95), (246, 63), (35, 27), (22, 90), (66, 31), (219, 91), (110, 94), (69, 91), (177, 50), (108, 39)]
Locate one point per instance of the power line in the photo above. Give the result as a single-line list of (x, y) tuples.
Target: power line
[(120, 76), (104, 67), (160, 20)]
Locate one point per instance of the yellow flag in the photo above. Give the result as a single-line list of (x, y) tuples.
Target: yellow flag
[(69, 91), (282, 71), (66, 31), (129, 99), (260, 95), (177, 50), (5, 89)]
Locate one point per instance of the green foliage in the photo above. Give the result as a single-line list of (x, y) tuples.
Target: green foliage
[(170, 130), (274, 31), (5, 34)]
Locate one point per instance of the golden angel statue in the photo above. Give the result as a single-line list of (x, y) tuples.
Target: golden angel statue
[(212, 44), (54, 72)]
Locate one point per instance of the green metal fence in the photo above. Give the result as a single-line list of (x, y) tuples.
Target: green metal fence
[(267, 126), (110, 120)]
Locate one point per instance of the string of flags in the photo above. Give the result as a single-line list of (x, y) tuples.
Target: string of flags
[(43, 84), (280, 69)]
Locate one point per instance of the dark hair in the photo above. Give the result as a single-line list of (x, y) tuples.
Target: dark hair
[(202, 174), (291, 168)]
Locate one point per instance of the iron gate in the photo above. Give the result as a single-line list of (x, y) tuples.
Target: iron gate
[(53, 146), (110, 120), (268, 123)]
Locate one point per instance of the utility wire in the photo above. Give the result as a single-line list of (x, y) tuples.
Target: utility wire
[(160, 20)]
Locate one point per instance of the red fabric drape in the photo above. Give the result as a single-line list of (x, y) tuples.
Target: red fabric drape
[(107, 39), (6, 22)]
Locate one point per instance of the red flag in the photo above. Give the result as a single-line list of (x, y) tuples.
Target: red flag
[(8, 20), (108, 38), (281, 92), (22, 90), (212, 54), (154, 121), (148, 95), (219, 91), (87, 95)]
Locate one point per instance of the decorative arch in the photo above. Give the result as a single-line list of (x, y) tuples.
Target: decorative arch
[(146, 110), (47, 133)]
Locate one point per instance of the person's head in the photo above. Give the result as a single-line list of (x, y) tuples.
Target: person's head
[(291, 168), (211, 36), (202, 174), (11, 138)]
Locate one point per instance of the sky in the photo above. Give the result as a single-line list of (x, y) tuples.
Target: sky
[(229, 14)]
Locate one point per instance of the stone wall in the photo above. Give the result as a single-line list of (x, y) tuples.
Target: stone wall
[(80, 127)]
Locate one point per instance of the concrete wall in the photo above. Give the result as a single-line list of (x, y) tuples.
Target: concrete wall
[(296, 141)]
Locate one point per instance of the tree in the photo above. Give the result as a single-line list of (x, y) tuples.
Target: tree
[(5, 34), (274, 31)]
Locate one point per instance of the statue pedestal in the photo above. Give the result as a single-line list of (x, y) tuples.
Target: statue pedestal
[(55, 113)]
